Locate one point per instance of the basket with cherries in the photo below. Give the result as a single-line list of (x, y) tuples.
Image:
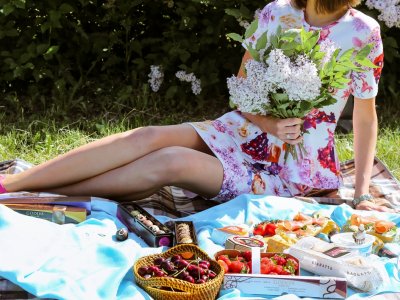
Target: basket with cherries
[(193, 271)]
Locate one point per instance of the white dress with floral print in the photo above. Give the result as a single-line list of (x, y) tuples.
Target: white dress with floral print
[(253, 161)]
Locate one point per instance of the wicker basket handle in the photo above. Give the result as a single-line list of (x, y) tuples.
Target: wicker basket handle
[(187, 295)]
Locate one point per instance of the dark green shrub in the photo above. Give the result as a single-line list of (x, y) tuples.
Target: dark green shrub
[(82, 57)]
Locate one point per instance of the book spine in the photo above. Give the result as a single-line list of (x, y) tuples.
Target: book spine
[(57, 214)]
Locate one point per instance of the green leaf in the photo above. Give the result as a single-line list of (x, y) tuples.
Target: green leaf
[(233, 12), (251, 29), (236, 37), (262, 41), (367, 63), (254, 53), (66, 8), (7, 9), (52, 49), (363, 53)]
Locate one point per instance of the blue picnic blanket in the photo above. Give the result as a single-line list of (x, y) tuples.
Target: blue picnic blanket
[(85, 261)]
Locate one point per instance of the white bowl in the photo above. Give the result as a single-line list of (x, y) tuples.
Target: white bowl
[(346, 240)]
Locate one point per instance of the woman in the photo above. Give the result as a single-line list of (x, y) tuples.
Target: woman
[(237, 153)]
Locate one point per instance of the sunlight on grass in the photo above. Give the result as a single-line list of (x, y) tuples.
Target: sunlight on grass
[(38, 144), (388, 148)]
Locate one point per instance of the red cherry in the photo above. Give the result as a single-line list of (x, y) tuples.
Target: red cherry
[(211, 274), (143, 271), (189, 279)]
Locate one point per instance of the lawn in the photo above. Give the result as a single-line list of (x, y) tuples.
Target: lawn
[(37, 140)]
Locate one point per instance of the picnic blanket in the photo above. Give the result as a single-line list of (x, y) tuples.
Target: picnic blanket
[(175, 203), (85, 261), (84, 244)]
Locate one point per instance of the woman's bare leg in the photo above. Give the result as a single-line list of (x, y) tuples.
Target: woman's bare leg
[(183, 167), (102, 156)]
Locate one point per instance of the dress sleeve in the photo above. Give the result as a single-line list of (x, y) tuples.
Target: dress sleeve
[(263, 16), (365, 84)]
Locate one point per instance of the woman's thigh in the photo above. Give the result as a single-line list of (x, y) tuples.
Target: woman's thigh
[(157, 137)]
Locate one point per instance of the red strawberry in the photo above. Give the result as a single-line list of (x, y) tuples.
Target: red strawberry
[(260, 229), (238, 267), (270, 230), (266, 268), (291, 262), (225, 258), (247, 255), (277, 269), (279, 259), (223, 265)]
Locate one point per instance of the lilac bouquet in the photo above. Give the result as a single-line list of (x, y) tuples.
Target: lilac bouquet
[(291, 74)]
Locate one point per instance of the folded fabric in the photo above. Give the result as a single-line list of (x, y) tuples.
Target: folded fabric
[(85, 261)]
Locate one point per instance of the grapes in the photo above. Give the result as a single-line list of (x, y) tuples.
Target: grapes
[(193, 271)]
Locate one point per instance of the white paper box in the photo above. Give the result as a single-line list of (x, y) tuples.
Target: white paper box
[(276, 285)]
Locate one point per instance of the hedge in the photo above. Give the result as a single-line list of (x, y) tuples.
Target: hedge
[(76, 54)]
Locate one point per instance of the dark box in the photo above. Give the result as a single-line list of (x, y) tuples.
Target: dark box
[(135, 218), (192, 232)]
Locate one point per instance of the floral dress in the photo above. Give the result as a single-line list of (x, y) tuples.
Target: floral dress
[(253, 160)]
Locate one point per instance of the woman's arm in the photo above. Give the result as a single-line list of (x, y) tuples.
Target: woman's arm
[(365, 128), (288, 130)]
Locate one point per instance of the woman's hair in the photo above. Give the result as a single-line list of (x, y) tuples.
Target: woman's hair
[(326, 6)]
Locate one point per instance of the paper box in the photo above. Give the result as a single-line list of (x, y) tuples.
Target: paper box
[(144, 225), (276, 285)]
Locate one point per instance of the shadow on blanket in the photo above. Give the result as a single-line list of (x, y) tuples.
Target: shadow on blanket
[(175, 203)]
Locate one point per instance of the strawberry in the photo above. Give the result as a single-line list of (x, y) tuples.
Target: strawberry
[(277, 269), (270, 229), (225, 258), (223, 265), (266, 268), (279, 259), (260, 229), (238, 267), (290, 262), (247, 255)]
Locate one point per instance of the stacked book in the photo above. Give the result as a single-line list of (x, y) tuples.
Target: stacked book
[(54, 208)]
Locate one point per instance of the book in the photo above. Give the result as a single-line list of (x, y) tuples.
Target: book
[(9, 290), (59, 214), (31, 198)]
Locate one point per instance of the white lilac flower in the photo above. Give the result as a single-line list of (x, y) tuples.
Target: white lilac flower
[(304, 82), (279, 68), (328, 47), (190, 77), (246, 98), (389, 9), (156, 77)]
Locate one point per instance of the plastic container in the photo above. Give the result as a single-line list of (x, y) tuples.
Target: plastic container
[(346, 240)]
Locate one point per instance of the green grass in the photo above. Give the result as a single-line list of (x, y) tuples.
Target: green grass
[(37, 141)]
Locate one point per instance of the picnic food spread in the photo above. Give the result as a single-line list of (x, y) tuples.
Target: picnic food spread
[(278, 249)]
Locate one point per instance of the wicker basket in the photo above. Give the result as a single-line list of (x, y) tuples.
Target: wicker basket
[(187, 290)]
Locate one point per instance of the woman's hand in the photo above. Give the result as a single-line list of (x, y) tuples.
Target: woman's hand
[(288, 130)]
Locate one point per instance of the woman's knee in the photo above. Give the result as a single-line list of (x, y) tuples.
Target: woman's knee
[(149, 136), (174, 163)]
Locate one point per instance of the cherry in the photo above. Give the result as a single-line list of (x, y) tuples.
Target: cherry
[(189, 279), (205, 262), (143, 271), (181, 263), (175, 258), (158, 261), (211, 274)]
